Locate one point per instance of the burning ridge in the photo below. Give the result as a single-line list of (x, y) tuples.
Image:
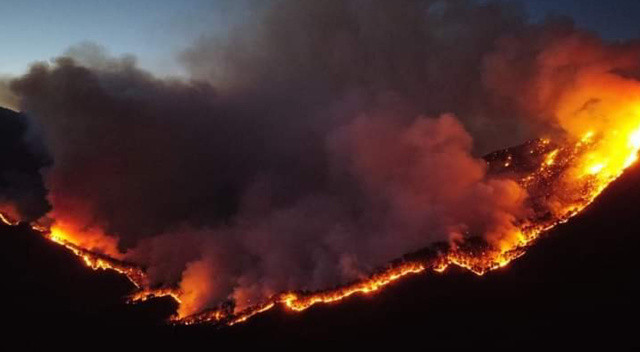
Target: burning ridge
[(291, 165), (537, 165)]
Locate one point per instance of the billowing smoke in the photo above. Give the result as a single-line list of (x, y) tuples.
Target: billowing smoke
[(314, 143), (421, 56), (22, 192)]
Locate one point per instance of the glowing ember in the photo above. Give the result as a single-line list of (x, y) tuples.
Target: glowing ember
[(146, 294), (96, 261), (299, 302)]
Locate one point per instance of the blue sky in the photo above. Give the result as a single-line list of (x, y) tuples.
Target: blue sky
[(155, 30), (613, 19)]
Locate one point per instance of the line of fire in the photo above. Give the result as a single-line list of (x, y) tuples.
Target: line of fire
[(562, 177)]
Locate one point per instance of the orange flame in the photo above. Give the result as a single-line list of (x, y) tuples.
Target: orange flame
[(96, 261)]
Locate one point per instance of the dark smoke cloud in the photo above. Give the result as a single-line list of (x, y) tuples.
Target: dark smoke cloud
[(22, 192), (127, 143), (425, 54), (315, 142)]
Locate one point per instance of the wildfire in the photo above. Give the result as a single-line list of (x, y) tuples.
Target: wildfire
[(146, 294), (561, 177), (299, 301), (597, 172), (582, 163), (96, 261)]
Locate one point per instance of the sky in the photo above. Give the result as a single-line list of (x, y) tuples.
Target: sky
[(152, 30), (156, 30)]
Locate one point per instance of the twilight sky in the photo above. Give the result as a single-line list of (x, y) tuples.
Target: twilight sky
[(155, 30)]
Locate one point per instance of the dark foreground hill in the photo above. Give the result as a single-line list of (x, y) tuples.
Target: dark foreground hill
[(578, 286)]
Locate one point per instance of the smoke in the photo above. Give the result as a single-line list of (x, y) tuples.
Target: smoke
[(424, 54), (577, 86), (314, 142), (534, 71), (7, 98), (22, 193)]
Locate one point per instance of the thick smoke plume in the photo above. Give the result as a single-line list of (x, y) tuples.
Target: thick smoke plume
[(22, 192), (314, 143)]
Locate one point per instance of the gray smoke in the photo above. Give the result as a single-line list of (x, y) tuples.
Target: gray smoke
[(315, 142), (22, 157)]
